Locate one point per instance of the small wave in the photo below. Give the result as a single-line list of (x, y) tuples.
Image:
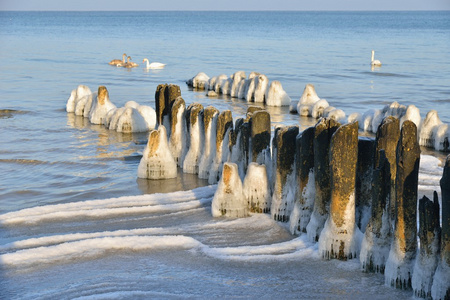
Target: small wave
[(93, 247), (105, 208)]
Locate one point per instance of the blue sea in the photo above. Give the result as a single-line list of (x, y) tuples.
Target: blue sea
[(59, 174)]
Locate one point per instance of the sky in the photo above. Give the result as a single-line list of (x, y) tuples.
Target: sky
[(143, 5)]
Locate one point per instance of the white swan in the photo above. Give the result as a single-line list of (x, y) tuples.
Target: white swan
[(375, 62), (115, 62), (153, 65)]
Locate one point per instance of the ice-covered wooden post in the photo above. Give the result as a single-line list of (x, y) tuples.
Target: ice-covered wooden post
[(430, 237), (224, 124), (229, 198), (284, 188), (238, 141), (304, 161), (441, 282), (377, 238), (323, 131), (387, 137), (340, 237), (177, 140), (257, 189), (157, 162), (399, 266), (260, 135), (165, 95), (364, 170), (196, 136), (160, 102), (100, 108), (210, 114)]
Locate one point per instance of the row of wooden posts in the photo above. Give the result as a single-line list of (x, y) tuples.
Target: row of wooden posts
[(366, 190)]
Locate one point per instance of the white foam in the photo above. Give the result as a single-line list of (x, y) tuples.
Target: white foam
[(110, 207)]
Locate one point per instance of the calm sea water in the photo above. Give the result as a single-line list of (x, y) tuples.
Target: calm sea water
[(48, 156)]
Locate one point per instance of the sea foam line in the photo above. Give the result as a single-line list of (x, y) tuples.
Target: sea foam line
[(95, 247), (112, 207)]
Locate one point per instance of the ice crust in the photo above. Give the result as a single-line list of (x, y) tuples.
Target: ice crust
[(209, 149), (132, 117), (276, 95), (344, 241), (256, 188), (157, 162), (229, 199)]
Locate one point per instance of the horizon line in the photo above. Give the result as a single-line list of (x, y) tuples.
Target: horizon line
[(231, 10)]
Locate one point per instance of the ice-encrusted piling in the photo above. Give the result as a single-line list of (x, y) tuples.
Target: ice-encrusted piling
[(340, 237), (157, 162), (78, 99), (284, 188), (260, 135), (171, 93), (261, 88), (224, 124), (323, 131), (160, 102), (256, 188), (210, 114), (165, 96), (194, 124), (276, 95), (364, 170), (199, 81), (428, 256), (237, 78), (377, 238), (229, 198), (101, 107), (238, 142), (441, 283), (399, 266), (304, 161), (177, 140), (387, 137), (131, 121)]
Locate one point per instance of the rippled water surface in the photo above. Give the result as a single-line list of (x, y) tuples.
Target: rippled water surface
[(48, 156)]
